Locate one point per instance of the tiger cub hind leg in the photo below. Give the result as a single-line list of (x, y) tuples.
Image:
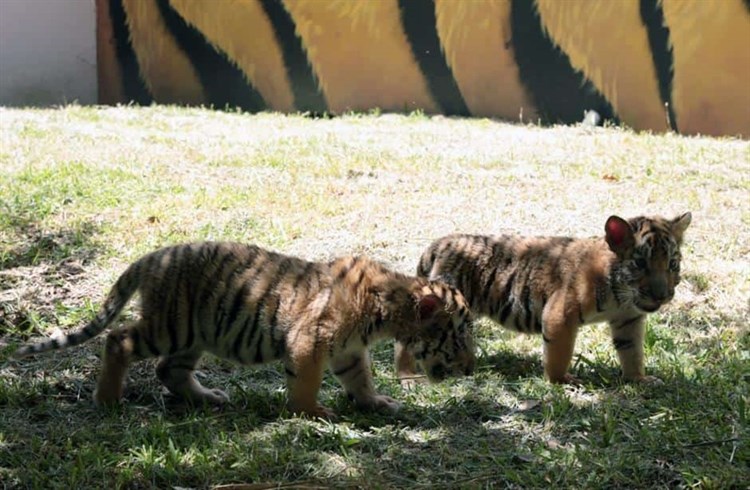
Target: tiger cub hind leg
[(177, 373), (355, 375), (120, 349)]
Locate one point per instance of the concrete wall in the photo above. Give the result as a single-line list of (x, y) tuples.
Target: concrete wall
[(47, 52)]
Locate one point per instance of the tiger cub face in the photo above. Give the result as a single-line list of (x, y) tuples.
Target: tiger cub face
[(444, 344), (648, 249)]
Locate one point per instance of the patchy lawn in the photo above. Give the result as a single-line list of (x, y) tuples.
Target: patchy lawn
[(85, 191)]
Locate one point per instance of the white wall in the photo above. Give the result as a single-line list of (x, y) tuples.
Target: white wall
[(47, 52)]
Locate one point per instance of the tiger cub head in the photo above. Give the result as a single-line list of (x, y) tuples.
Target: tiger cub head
[(442, 342), (648, 253)]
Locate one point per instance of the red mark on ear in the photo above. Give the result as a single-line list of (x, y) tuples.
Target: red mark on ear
[(428, 305), (618, 233)]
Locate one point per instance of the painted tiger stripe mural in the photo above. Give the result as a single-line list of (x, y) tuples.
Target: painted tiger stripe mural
[(633, 91), (711, 46), (361, 55), (482, 59), (167, 70), (656, 65), (260, 61), (559, 92)]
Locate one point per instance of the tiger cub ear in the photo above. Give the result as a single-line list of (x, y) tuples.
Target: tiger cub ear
[(680, 224), (428, 305), (619, 234)]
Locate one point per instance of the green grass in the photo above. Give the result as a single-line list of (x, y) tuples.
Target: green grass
[(85, 191)]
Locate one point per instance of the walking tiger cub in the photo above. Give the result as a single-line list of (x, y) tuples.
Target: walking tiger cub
[(249, 305), (553, 285)]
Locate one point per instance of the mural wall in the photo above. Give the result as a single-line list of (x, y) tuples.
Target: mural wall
[(654, 65)]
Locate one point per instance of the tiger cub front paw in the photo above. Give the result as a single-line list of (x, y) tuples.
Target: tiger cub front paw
[(380, 403)]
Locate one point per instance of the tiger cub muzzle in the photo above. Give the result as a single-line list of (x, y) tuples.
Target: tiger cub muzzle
[(447, 351)]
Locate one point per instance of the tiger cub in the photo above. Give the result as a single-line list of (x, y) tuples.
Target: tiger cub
[(553, 285), (249, 305)]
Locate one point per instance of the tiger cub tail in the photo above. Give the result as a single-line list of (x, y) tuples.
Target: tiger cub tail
[(118, 297)]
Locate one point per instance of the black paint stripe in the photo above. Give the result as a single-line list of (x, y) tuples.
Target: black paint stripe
[(133, 86), (307, 95), (419, 23), (652, 17), (560, 93), (225, 85)]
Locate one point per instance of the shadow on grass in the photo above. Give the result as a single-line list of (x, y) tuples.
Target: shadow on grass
[(512, 365), (32, 246), (677, 434), (39, 269)]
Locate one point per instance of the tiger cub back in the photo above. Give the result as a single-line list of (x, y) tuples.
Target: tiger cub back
[(553, 285), (249, 305)]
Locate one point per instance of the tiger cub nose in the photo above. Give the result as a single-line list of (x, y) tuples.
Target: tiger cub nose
[(659, 294)]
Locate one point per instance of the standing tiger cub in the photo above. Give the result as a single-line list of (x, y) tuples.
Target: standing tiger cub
[(249, 305), (554, 285)]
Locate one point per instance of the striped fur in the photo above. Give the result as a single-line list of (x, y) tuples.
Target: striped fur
[(249, 305), (554, 285)]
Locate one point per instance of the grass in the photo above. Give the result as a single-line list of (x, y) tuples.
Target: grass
[(85, 191)]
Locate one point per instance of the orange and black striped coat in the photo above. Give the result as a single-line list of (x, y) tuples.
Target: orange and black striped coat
[(553, 285), (250, 305)]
